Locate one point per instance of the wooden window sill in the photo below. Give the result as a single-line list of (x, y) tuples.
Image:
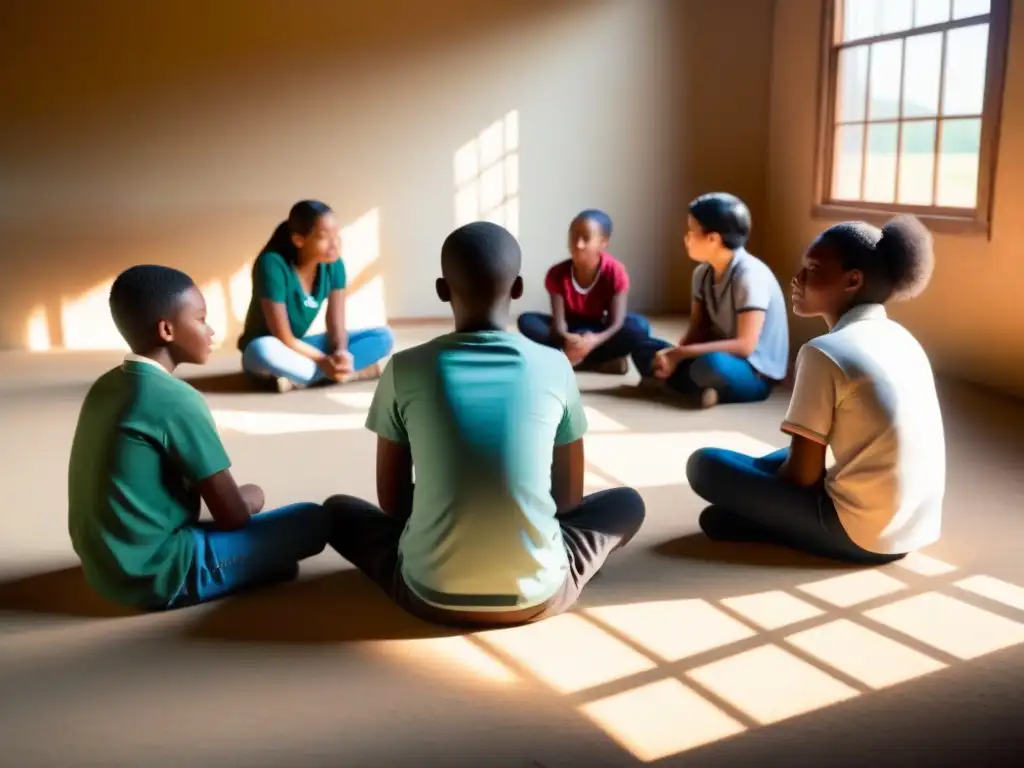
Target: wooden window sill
[(943, 223)]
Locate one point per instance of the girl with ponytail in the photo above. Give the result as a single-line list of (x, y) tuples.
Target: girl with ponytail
[(298, 272), (866, 391)]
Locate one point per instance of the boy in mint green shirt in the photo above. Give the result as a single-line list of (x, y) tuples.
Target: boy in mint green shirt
[(146, 453), (497, 530)]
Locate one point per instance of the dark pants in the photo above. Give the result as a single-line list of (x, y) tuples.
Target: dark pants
[(735, 379), (635, 331), (750, 502), (602, 523)]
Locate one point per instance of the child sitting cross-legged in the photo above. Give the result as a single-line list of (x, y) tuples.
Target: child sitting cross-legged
[(146, 453)]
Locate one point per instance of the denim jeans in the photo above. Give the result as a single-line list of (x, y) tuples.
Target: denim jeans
[(266, 551), (267, 357), (750, 502), (635, 331), (735, 380)]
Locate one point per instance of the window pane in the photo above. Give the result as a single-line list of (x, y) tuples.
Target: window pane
[(512, 174), (921, 76), (897, 15), (880, 163), (884, 83), (847, 160), (852, 84), (467, 205), (917, 163), (861, 18), (959, 153), (966, 58), (930, 12), (964, 9)]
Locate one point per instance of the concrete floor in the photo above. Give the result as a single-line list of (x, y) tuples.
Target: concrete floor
[(681, 653)]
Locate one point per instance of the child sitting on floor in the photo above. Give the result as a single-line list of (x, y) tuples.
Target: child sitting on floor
[(497, 530), (736, 347), (866, 390), (146, 451), (588, 319), (298, 272)]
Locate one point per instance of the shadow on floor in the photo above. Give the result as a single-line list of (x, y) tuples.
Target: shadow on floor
[(697, 546), (233, 383), (341, 607), (60, 593)]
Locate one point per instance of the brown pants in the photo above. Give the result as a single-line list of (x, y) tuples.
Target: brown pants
[(368, 538)]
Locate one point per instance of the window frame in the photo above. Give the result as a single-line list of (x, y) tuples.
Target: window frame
[(939, 219)]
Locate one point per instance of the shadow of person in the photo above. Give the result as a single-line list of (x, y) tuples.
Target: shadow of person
[(62, 592), (697, 546), (341, 607), (229, 383)]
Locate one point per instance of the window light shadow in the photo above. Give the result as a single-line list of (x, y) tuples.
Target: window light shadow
[(663, 678), (486, 175)]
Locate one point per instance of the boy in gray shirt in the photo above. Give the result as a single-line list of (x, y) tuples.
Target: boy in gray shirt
[(737, 345)]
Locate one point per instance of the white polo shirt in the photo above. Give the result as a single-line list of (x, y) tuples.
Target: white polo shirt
[(867, 391)]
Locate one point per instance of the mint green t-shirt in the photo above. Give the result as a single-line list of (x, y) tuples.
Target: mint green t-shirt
[(274, 278), (482, 414), (144, 440)]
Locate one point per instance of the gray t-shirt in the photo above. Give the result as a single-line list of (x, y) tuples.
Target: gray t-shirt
[(748, 285)]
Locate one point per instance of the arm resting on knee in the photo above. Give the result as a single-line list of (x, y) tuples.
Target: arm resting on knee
[(805, 465), (567, 470)]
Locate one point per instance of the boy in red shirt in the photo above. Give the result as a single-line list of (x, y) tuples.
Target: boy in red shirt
[(588, 319)]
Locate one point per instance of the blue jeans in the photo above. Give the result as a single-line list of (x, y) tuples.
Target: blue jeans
[(266, 551), (635, 331), (735, 379), (750, 502), (267, 357)]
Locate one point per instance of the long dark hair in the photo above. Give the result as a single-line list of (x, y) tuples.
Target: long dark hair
[(301, 220)]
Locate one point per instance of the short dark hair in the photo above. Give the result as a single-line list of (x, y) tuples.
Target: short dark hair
[(480, 261), (301, 219), (725, 215), (897, 260), (599, 217), (143, 295)]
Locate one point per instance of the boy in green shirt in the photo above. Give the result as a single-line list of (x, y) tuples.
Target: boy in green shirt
[(497, 531), (146, 453)]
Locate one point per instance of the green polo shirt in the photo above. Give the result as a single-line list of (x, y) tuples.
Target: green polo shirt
[(144, 440), (274, 278)]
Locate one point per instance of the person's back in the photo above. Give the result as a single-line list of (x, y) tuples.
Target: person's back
[(888, 480), (495, 530), (132, 536), (483, 412)]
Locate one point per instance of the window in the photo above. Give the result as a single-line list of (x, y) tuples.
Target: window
[(911, 107)]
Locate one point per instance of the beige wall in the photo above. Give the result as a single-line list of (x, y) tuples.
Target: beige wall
[(179, 131), (970, 319)]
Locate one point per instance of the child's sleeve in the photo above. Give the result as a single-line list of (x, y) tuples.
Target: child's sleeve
[(385, 418), (193, 440), (813, 405), (269, 277), (751, 291), (574, 419), (620, 279), (553, 281), (338, 275)]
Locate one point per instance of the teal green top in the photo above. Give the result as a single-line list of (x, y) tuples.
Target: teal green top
[(144, 440), (482, 414), (274, 278)]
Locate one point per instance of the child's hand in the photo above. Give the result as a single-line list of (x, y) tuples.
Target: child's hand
[(330, 366), (588, 342), (254, 498), (343, 361), (572, 340), (665, 363)]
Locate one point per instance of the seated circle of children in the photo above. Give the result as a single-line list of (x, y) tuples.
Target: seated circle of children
[(736, 347), (589, 291), (145, 454), (497, 530), (296, 273), (866, 390)]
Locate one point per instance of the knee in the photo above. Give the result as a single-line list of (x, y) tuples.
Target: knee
[(704, 370), (698, 468), (634, 508), (637, 325), (386, 339)]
